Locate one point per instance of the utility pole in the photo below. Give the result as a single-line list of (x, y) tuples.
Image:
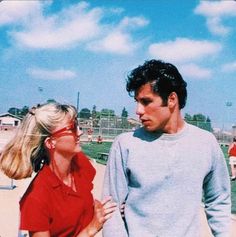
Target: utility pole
[(228, 105), (77, 106), (40, 90)]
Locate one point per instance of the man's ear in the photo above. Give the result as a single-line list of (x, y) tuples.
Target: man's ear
[(49, 143), (172, 100)]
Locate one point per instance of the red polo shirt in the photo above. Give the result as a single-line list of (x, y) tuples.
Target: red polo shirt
[(50, 205)]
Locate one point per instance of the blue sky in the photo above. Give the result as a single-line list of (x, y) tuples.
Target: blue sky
[(89, 46)]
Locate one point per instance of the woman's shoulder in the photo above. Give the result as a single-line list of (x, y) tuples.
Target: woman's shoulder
[(41, 183), (84, 165)]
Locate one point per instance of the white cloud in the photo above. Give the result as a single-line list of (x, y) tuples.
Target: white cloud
[(18, 11), (115, 42), (118, 39), (216, 8), (215, 11), (45, 74), (229, 67), (193, 71), (78, 24), (72, 25), (216, 27), (117, 10), (184, 50), (133, 22)]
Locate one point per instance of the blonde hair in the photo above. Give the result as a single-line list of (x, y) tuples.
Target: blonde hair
[(25, 152)]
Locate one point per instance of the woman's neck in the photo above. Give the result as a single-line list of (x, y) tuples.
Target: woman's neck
[(62, 164), (61, 167)]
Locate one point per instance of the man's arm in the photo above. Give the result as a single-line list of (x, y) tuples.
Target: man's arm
[(217, 195), (115, 185)]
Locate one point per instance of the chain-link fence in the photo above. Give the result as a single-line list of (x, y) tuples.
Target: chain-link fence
[(109, 127)]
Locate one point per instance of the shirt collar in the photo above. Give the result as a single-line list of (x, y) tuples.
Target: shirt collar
[(52, 179)]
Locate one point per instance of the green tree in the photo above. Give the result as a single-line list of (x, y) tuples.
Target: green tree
[(14, 111), (188, 117), (95, 116), (51, 101), (24, 110), (199, 120), (107, 113), (94, 112), (124, 116), (124, 113), (85, 113), (199, 117)]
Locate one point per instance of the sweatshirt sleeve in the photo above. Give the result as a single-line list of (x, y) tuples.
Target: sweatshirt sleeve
[(216, 189), (115, 185)]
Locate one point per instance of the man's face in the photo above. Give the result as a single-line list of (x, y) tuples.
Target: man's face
[(150, 109)]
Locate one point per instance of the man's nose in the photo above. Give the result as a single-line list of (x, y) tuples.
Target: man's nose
[(139, 109)]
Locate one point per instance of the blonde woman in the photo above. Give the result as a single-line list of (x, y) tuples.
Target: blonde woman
[(58, 202)]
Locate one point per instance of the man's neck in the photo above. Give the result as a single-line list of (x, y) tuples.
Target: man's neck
[(174, 125)]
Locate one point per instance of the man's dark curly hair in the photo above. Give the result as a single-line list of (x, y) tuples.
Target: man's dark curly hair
[(163, 77)]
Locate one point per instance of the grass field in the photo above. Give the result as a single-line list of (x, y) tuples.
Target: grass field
[(92, 150)]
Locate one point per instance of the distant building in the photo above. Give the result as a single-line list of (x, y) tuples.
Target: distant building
[(234, 130), (9, 121)]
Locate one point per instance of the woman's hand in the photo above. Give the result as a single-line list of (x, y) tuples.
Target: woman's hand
[(102, 212)]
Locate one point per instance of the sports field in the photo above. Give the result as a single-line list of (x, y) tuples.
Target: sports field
[(93, 149)]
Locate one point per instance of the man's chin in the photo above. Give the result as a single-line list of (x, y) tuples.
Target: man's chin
[(149, 128)]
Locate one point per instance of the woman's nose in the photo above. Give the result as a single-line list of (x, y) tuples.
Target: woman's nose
[(79, 131)]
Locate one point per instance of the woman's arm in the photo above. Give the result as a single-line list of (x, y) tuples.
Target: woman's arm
[(102, 212)]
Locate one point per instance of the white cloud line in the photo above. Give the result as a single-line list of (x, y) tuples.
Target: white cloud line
[(117, 40), (184, 50), (229, 67), (45, 74), (215, 11), (133, 22), (72, 26), (193, 71), (216, 8), (18, 11), (216, 27)]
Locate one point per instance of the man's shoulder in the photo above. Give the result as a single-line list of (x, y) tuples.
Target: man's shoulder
[(132, 135), (199, 131), (201, 136)]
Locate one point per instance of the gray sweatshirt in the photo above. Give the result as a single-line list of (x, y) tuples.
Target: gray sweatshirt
[(162, 179)]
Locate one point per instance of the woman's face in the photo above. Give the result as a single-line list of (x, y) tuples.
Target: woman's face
[(66, 137)]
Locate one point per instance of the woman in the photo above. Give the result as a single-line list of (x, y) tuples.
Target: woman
[(58, 201)]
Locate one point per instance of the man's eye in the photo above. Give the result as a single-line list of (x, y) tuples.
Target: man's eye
[(146, 102)]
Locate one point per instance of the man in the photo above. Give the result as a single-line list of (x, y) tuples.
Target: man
[(161, 170), (232, 159)]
